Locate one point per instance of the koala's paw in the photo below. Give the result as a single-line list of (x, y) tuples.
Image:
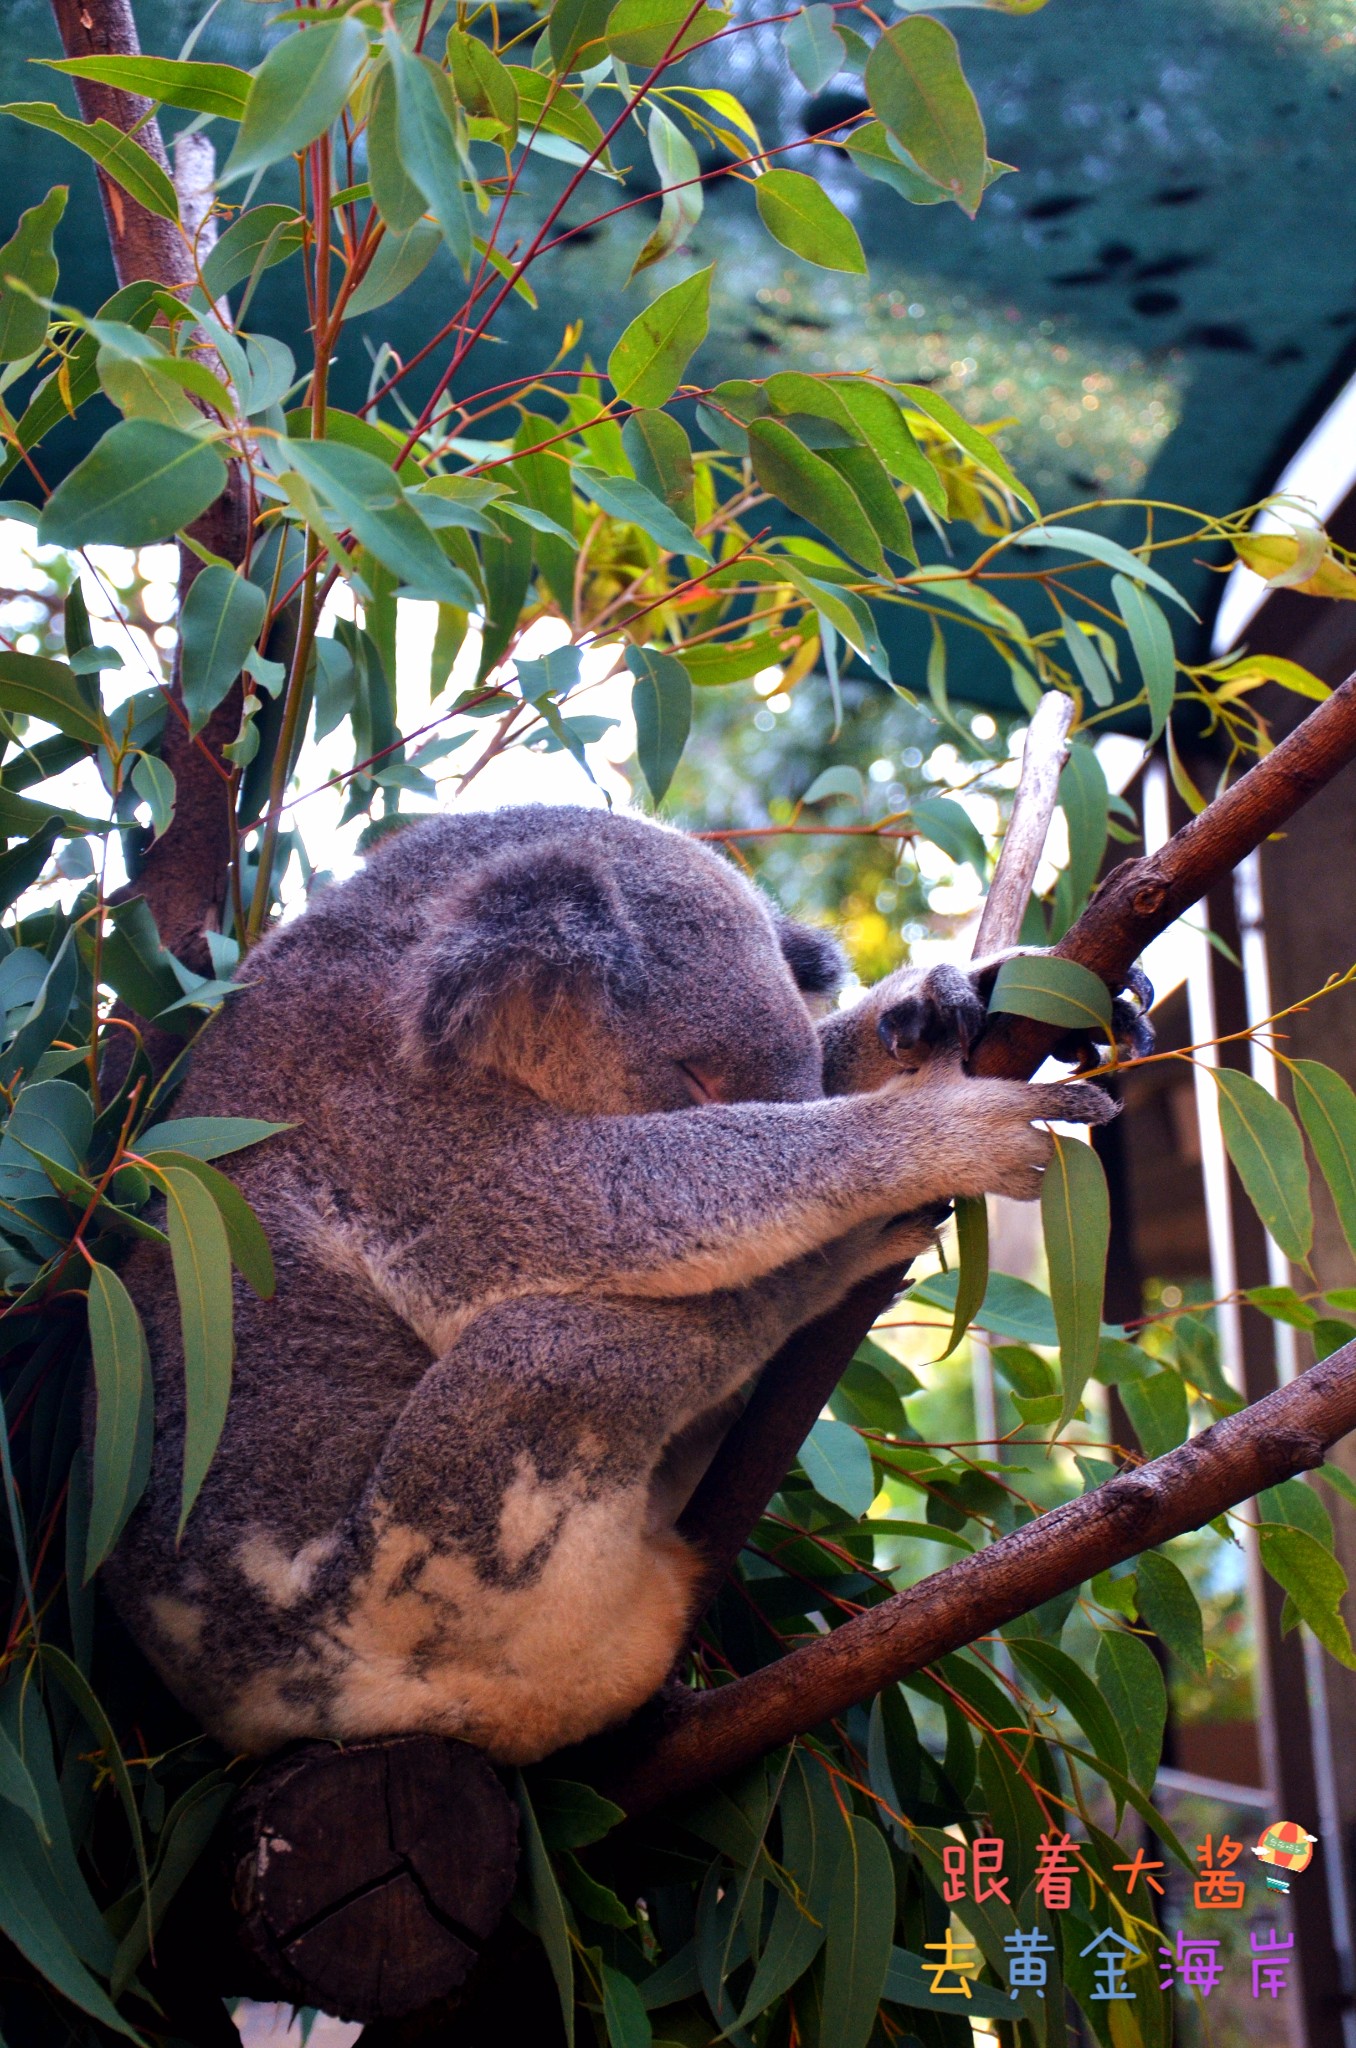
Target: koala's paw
[(1011, 1150), (940, 1017)]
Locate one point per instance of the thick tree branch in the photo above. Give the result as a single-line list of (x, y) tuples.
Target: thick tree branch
[(706, 1735), (184, 875), (1137, 901)]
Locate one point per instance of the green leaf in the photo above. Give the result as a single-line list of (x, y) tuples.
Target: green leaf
[(252, 244), (1295, 1505), (1168, 1606), (945, 823), (119, 156), (201, 1257), (47, 689), (879, 419), (206, 1137), (648, 362), (683, 197), (219, 622), (972, 1238), (546, 1907), (201, 88), (28, 1921), (661, 456), (1076, 1221), (29, 256), (297, 93), (154, 783), (1011, 1307), (846, 611), (484, 84), (1265, 1145), (573, 25), (864, 472), (1092, 670), (17, 1786), (627, 499), (643, 31), (1327, 1108), (1157, 1406), (250, 1253), (976, 445), (859, 1937), (814, 1842), (1078, 540), (397, 198), (1315, 1582), (837, 1464), (661, 699), (909, 1982), (814, 49), (397, 263), (571, 1816), (798, 213), (427, 132), (915, 84), (1054, 991), (806, 484), (553, 109), (1056, 1673), (365, 495), (1085, 802), (1151, 638), (1132, 1683), (141, 482), (624, 2014)]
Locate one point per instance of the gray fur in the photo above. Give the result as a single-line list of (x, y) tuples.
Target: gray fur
[(562, 1177)]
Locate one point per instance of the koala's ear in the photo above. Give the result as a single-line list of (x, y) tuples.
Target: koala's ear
[(538, 926), (815, 957)]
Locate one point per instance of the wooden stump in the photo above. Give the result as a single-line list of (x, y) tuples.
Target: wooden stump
[(366, 1879)]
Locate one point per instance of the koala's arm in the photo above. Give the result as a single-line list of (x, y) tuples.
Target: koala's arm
[(717, 1196)]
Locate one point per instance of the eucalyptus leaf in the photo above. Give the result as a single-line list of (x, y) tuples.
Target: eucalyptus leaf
[(297, 93), (29, 256), (200, 1253), (661, 699), (915, 84), (1076, 1222), (1327, 1109), (219, 622), (1169, 1607), (649, 359), (1267, 1151), (798, 213), (142, 482), (1151, 638)]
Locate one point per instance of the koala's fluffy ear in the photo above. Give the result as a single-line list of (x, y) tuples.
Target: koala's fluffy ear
[(815, 958), (535, 928)]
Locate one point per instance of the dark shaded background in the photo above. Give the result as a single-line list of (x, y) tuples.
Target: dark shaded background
[(1160, 303)]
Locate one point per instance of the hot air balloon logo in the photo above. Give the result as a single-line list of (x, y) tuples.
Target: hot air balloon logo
[(1286, 1844)]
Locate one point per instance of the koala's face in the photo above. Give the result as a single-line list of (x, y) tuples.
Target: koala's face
[(619, 968)]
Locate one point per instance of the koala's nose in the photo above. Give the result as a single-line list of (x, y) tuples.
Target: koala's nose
[(900, 1028)]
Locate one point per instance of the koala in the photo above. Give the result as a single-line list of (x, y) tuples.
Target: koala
[(568, 1158)]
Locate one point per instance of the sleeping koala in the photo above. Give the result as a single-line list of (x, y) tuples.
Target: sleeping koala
[(561, 1177)]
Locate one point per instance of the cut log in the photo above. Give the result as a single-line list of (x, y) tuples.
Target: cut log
[(367, 1879)]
